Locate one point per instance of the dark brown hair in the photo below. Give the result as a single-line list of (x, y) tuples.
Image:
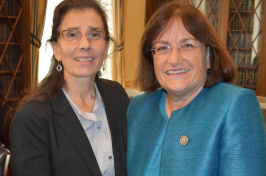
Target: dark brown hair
[(54, 80), (222, 65)]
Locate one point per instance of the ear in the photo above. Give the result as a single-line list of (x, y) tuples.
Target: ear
[(208, 59), (56, 51)]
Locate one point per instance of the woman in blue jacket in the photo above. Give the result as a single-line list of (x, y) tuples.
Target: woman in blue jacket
[(192, 120)]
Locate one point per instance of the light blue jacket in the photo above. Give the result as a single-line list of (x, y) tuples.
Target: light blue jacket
[(225, 130)]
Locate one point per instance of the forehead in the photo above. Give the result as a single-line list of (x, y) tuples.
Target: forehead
[(84, 18), (174, 30)]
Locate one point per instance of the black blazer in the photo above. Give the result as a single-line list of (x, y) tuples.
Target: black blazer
[(47, 139)]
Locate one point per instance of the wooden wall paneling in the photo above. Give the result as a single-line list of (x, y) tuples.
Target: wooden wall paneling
[(14, 55), (25, 26), (223, 20), (152, 6), (261, 90), (148, 10)]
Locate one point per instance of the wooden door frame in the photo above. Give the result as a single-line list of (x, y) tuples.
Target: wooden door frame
[(261, 80)]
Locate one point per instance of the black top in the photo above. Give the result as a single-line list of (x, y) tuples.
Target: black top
[(47, 138)]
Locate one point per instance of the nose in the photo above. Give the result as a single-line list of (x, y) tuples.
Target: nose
[(175, 56), (84, 42)]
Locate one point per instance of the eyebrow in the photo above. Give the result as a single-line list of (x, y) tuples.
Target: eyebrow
[(90, 28), (161, 42), (188, 39), (95, 29), (72, 28), (182, 41)]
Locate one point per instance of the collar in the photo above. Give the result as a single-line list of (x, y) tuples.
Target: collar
[(80, 113)]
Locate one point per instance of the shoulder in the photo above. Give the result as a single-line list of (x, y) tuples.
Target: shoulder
[(32, 118), (224, 100), (109, 85), (145, 100), (236, 102), (238, 96), (33, 111), (147, 97), (229, 91), (112, 90), (230, 88), (106, 83), (35, 107)]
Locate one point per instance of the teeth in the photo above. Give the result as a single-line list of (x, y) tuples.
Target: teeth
[(176, 72), (84, 59)]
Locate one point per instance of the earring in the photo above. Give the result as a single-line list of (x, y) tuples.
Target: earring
[(208, 71), (104, 65), (59, 66)]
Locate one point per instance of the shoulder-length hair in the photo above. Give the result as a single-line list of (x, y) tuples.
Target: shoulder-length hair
[(222, 65), (54, 80)]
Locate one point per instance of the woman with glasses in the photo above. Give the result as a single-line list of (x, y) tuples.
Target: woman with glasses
[(192, 120), (73, 123)]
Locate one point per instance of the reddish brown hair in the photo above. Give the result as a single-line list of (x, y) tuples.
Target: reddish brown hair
[(222, 65)]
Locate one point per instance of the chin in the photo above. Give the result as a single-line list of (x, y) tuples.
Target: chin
[(85, 74), (175, 88)]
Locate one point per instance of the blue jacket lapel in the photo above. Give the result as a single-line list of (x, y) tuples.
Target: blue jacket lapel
[(148, 129)]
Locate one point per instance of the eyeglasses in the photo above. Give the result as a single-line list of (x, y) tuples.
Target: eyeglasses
[(165, 49), (75, 35)]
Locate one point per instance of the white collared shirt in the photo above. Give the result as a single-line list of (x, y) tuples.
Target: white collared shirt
[(96, 127)]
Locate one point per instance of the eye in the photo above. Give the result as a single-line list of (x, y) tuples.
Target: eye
[(72, 34), (164, 48), (188, 45), (95, 35)]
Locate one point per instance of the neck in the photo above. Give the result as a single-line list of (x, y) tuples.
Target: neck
[(175, 101), (82, 93)]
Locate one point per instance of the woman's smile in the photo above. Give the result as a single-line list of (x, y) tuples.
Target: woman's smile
[(84, 59), (174, 72)]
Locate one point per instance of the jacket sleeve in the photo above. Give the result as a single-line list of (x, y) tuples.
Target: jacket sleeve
[(243, 140), (30, 144)]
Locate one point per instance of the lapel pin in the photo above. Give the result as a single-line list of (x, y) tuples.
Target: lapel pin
[(184, 140)]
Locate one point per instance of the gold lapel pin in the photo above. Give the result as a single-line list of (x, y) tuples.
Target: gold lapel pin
[(183, 140)]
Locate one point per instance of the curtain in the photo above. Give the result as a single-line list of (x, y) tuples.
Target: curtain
[(118, 56), (38, 10)]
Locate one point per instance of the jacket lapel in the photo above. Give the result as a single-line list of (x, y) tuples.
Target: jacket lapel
[(68, 121), (144, 128), (118, 135), (148, 140), (108, 105)]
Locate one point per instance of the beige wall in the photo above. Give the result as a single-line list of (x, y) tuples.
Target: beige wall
[(134, 27)]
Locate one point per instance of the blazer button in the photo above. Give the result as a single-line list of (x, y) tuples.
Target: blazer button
[(183, 140)]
